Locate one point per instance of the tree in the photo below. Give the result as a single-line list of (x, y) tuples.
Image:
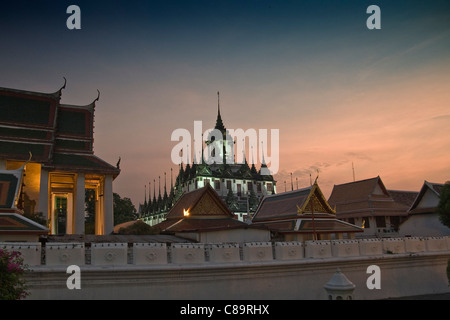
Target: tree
[(124, 210), (231, 201), (139, 228), (443, 208)]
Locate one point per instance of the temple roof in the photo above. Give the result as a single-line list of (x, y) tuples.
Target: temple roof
[(11, 219), (300, 211), (365, 198), (291, 204), (420, 206), (13, 223), (203, 202), (200, 210), (53, 132)]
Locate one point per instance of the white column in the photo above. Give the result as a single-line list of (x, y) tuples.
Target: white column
[(43, 195), (99, 209), (70, 229), (79, 204), (108, 208)]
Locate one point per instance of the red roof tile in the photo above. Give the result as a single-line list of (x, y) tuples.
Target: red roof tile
[(363, 198)]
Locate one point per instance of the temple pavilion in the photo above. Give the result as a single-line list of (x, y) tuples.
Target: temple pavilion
[(56, 140), (302, 214)]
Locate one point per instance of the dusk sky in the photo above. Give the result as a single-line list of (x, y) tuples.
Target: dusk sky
[(337, 91)]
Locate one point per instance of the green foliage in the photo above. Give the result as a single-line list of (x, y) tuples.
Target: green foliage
[(231, 201), (124, 210), (443, 208), (139, 228), (12, 285)]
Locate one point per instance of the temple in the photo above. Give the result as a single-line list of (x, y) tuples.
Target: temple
[(301, 215), (201, 215), (56, 140), (239, 185), (369, 204), (423, 217)]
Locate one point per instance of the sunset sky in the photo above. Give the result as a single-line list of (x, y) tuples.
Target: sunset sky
[(337, 91)]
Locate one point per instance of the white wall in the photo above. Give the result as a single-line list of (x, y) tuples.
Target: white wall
[(409, 266)]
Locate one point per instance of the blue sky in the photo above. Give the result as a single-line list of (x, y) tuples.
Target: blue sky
[(338, 92)]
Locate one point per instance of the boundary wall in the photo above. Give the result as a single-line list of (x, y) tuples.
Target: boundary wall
[(257, 270)]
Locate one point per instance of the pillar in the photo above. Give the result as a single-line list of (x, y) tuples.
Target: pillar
[(79, 205), (108, 208), (43, 194)]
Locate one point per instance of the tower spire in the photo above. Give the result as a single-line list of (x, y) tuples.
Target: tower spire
[(219, 122)]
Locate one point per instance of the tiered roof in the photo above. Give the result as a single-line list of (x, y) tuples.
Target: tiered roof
[(300, 211), (199, 210), (59, 136), (365, 198)]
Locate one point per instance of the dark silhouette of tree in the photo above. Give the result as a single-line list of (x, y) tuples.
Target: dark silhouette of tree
[(124, 210), (443, 208)]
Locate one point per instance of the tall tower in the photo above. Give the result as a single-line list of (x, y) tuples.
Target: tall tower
[(227, 150)]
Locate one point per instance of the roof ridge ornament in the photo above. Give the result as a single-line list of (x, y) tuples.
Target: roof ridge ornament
[(98, 96), (64, 85)]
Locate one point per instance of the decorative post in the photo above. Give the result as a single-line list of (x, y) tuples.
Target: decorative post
[(339, 287)]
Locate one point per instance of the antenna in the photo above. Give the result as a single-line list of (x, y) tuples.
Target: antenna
[(353, 169), (292, 185)]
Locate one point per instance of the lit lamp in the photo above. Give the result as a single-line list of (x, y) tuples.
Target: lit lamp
[(186, 212)]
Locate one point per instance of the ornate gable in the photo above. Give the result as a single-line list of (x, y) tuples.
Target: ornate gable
[(208, 206)]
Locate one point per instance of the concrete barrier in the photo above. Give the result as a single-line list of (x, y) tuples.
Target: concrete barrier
[(257, 251), (436, 244), (289, 251), (370, 247), (103, 254), (318, 249), (149, 253), (188, 253), (393, 245), (62, 254), (224, 252), (66, 254), (30, 251), (345, 248), (415, 244)]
